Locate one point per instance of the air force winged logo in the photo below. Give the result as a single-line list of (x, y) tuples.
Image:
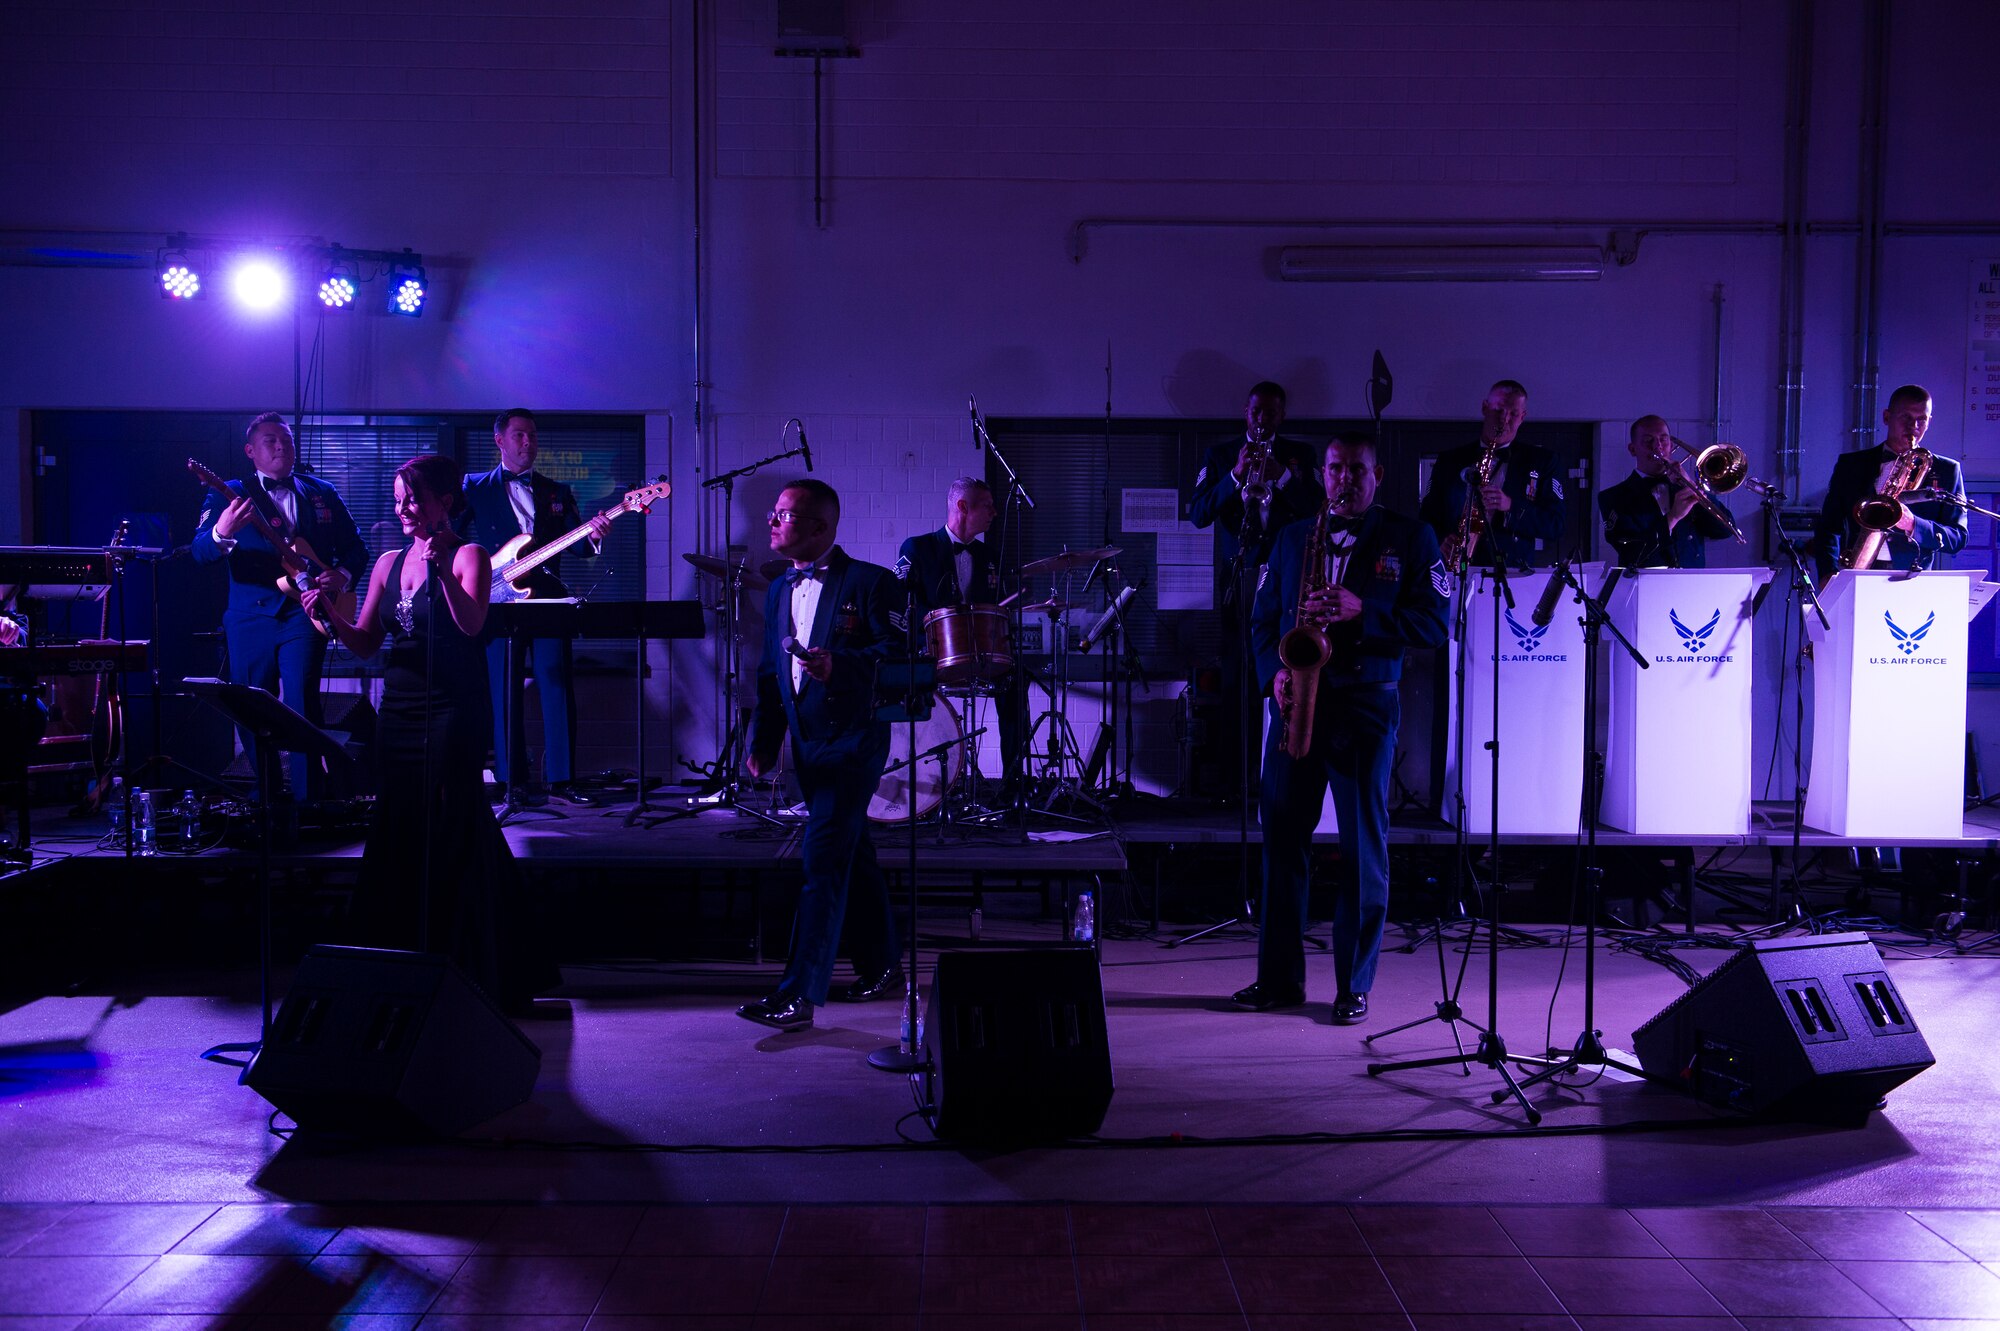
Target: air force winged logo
[(1694, 639), (1907, 642), (1528, 635)]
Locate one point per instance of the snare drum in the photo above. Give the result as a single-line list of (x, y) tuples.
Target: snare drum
[(968, 642), (896, 790)]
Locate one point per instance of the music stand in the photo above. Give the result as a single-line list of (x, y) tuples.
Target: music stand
[(278, 729)]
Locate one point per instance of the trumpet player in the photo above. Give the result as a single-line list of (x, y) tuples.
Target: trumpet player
[(1656, 517), (1916, 532), (1371, 582), (1511, 491), (1249, 489)]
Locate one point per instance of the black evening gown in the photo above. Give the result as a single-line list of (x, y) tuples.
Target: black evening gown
[(432, 733)]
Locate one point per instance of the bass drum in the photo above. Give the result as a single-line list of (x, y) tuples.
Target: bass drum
[(895, 792)]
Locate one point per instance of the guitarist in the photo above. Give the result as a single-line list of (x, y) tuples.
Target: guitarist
[(512, 500), (272, 644)]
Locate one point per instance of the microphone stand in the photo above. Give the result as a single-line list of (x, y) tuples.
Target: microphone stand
[(1589, 1050), (907, 1055), (735, 735), (1015, 497), (1805, 588)]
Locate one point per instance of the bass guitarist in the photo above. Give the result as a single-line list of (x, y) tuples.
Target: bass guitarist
[(513, 500), (272, 643)]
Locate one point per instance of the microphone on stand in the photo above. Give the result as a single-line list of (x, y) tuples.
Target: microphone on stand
[(1545, 609), (1097, 571), (805, 449), (972, 409), (1107, 619)]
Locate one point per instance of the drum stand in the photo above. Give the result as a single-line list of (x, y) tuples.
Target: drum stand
[(1063, 756)]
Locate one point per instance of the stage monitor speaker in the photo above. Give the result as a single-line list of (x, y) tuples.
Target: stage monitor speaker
[(390, 1044), (1017, 1044), (1808, 1027)]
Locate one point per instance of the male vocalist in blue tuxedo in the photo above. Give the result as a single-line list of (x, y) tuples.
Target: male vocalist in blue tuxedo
[(954, 566), (511, 500), (1651, 518), (837, 610), (271, 642), (1524, 497), (1383, 590), (1927, 528)]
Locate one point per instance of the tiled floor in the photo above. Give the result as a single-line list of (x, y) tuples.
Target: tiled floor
[(180, 1267)]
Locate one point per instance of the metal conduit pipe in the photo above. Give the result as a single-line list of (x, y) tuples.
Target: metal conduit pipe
[(1791, 269), (1866, 368)]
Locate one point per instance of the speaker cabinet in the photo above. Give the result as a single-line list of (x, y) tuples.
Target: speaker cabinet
[(1809, 1027), (391, 1044), (1017, 1044)]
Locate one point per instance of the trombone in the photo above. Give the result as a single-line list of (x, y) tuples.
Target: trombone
[(1718, 469)]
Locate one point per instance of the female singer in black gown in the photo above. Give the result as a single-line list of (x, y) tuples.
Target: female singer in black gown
[(437, 874)]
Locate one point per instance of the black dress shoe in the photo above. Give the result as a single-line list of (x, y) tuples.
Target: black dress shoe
[(867, 988), (787, 1012), (570, 794), (1261, 997), (1350, 1009)]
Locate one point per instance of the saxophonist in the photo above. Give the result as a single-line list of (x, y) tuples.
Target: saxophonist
[(1371, 581), (1520, 501), (1923, 529)]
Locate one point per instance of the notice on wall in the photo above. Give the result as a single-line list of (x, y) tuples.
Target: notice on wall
[(1981, 449), (1185, 587), (1150, 510)]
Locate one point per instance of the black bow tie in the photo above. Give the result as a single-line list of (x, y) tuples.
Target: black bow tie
[(961, 548), (803, 574), (520, 477), (1335, 523), (272, 483)]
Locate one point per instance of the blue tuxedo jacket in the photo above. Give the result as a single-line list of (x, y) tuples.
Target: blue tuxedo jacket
[(853, 622), (1939, 529), (927, 567), (1218, 502), (1532, 483), (1637, 529), (488, 520), (254, 569), (1403, 587)]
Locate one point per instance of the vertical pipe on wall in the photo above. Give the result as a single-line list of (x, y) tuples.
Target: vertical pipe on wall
[(1791, 281), (1868, 240), (1715, 411)]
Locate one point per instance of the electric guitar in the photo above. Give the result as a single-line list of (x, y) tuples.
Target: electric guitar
[(300, 561), (515, 561)]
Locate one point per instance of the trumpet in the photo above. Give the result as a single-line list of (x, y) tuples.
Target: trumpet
[(1257, 489), (1718, 469)]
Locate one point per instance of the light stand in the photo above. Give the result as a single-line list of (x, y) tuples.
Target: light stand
[(1589, 1050)]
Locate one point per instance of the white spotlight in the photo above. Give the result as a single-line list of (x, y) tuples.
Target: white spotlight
[(258, 283)]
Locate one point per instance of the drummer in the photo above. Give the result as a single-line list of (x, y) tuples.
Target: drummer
[(952, 566)]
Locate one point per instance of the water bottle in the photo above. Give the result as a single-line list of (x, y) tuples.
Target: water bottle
[(1083, 921), (189, 811), (142, 824)]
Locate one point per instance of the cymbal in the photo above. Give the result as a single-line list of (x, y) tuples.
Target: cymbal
[(1070, 559), (754, 579), (1052, 606)]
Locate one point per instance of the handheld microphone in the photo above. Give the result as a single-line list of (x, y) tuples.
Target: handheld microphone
[(794, 648), (1107, 619), (805, 449), (1545, 609)]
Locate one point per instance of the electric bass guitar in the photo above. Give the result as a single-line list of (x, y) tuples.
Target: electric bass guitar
[(514, 562), (295, 554)]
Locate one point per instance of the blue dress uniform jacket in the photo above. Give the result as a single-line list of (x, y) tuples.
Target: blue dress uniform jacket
[(1395, 571), (1635, 527), (1218, 501), (1939, 529), (272, 645), (839, 750), (488, 520), (927, 567), (1532, 483)]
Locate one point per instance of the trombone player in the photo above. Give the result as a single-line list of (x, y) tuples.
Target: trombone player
[(1661, 516), (1866, 524), (1371, 582)]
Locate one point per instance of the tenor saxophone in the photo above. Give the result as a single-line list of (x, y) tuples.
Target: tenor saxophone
[(1305, 648), (1877, 514)]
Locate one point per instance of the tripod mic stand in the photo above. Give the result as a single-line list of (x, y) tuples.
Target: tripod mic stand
[(1492, 1052), (1589, 1050)]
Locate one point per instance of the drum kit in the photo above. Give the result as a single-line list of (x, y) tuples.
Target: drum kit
[(974, 649)]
